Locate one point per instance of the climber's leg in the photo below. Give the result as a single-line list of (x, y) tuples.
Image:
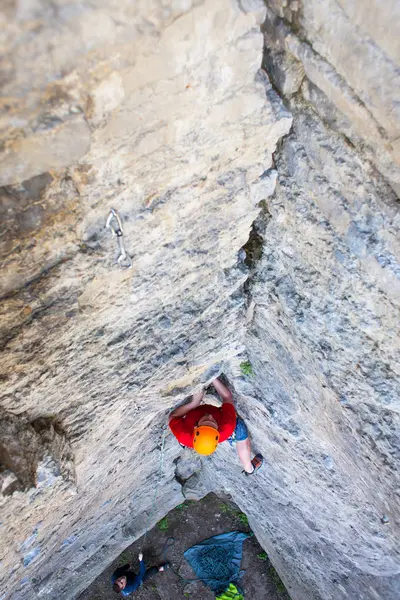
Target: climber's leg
[(150, 572), (243, 450), (241, 436), (154, 570)]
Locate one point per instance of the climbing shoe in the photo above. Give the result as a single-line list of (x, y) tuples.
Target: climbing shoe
[(257, 463)]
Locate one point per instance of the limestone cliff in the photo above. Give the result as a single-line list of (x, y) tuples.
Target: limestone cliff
[(260, 214)]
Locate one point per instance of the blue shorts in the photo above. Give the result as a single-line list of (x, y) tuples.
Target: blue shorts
[(240, 433)]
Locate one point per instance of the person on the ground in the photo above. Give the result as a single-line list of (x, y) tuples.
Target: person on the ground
[(126, 581), (203, 427)]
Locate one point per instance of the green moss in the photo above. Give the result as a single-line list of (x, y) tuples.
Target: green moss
[(243, 519), (185, 505), (163, 525), (124, 557), (262, 556), (276, 580), (232, 512), (246, 368)]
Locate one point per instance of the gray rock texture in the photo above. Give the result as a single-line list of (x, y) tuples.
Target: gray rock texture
[(350, 52), (246, 245), (323, 342)]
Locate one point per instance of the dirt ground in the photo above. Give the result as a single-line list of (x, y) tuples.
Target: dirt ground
[(189, 524)]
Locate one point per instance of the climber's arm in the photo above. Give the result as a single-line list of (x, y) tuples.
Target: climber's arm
[(142, 567), (223, 391), (183, 410)]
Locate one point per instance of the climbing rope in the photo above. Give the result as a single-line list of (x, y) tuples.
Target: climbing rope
[(160, 474), (210, 559), (170, 541), (163, 553)]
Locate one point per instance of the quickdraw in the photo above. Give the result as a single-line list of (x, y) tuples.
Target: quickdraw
[(114, 223)]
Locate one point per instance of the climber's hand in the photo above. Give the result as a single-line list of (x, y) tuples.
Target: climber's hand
[(197, 398), (183, 410), (140, 556), (223, 391)]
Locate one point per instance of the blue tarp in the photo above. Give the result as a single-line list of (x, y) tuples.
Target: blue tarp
[(216, 561)]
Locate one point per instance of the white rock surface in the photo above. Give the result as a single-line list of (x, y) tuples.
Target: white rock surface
[(323, 402), (350, 51)]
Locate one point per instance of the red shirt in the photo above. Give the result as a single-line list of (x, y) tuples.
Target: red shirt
[(183, 427)]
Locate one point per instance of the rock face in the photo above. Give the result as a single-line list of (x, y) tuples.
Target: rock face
[(171, 125), (348, 55), (324, 398), (160, 111)]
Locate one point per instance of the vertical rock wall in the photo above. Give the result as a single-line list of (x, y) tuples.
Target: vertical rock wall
[(323, 311), (158, 111), (323, 399), (343, 57), (323, 308)]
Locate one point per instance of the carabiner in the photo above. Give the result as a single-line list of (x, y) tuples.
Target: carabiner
[(124, 260), (118, 231)]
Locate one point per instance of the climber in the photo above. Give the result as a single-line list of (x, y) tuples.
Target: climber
[(126, 581), (204, 427)]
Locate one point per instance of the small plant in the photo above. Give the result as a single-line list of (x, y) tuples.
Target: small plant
[(124, 557), (163, 525), (262, 556), (246, 368), (232, 512), (243, 519), (185, 505), (276, 580)]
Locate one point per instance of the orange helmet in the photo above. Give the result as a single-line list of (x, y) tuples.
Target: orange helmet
[(205, 439)]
